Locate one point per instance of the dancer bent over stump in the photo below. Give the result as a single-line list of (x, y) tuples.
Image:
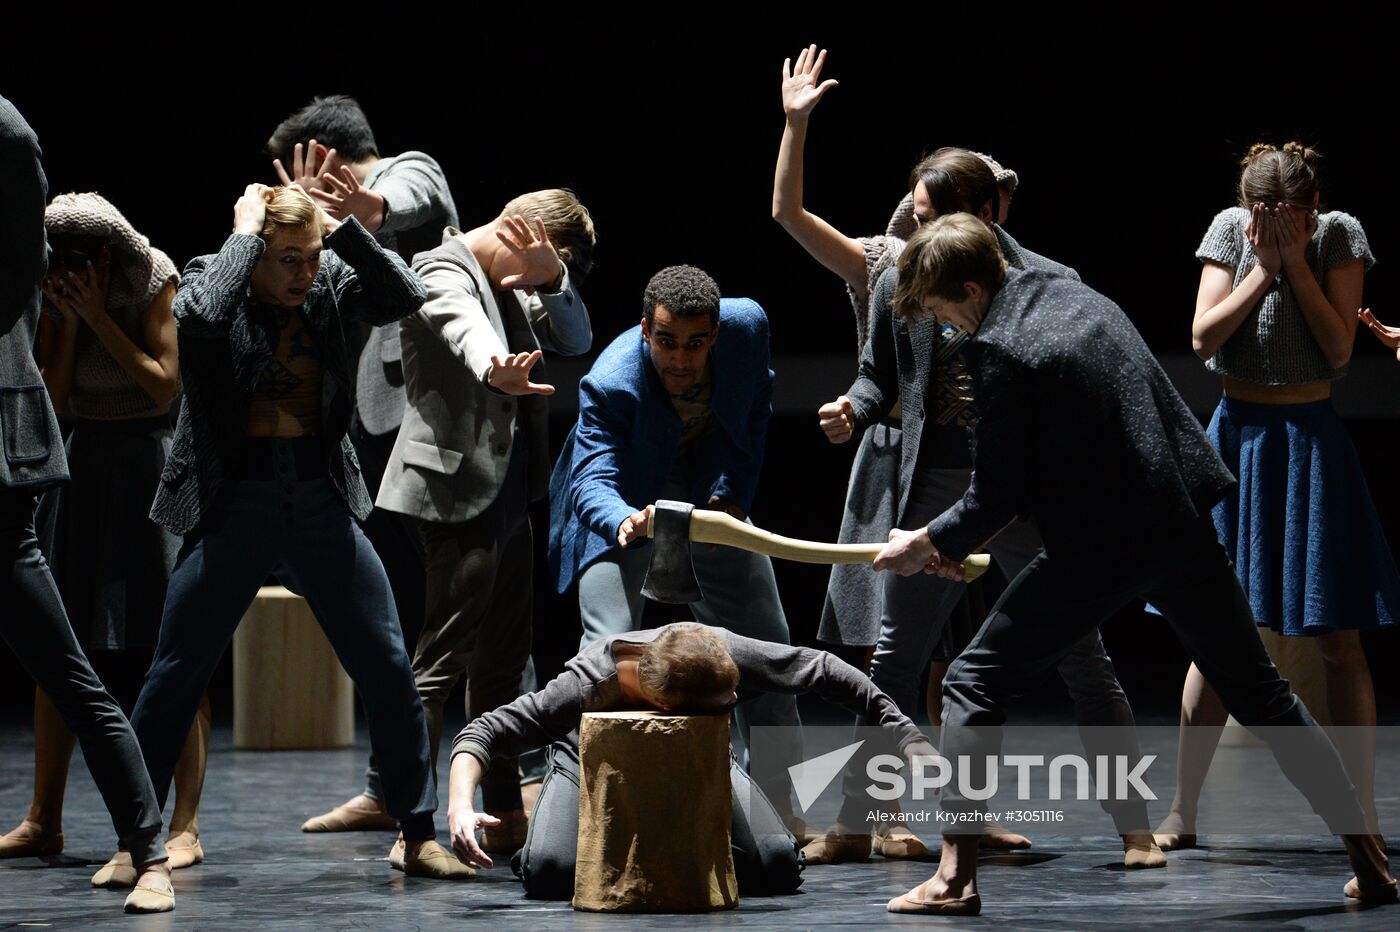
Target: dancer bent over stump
[(686, 666), (263, 479), (1082, 430)]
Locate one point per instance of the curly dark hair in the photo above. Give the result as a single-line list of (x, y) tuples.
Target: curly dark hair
[(336, 122), (685, 291)]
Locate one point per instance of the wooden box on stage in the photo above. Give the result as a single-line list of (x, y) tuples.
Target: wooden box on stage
[(289, 690), (654, 814)]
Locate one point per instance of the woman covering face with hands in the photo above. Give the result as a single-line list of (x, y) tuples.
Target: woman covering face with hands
[(1276, 316)]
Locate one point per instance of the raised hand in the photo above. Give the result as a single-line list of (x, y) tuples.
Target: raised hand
[(250, 210), (801, 90), (1263, 238), (838, 419), (329, 224), (344, 196), (531, 246), (463, 827), (1390, 336), (1293, 230), (634, 526), (304, 166), (512, 374)]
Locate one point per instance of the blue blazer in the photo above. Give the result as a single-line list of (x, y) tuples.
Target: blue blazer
[(617, 458)]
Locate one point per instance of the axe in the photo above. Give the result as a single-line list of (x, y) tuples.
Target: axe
[(674, 525)]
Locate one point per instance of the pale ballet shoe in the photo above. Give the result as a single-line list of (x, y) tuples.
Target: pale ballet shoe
[(1140, 855), (159, 897), (898, 845), (396, 855), (1172, 834), (431, 860), (836, 847), (28, 840), (1385, 893), (507, 837), (1174, 841), (116, 874), (345, 819), (917, 901), (184, 850), (996, 837)]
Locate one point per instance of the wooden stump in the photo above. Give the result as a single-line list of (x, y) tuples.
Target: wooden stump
[(289, 690), (654, 814)]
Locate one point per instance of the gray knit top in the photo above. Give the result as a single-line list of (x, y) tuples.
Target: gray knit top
[(1273, 345)]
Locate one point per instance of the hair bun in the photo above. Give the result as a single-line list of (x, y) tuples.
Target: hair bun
[(1256, 150), (1308, 154)]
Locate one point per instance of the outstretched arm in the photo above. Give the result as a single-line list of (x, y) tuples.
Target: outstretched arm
[(802, 89), (766, 667)]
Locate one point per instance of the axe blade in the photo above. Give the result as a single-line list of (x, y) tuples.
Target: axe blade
[(670, 576)]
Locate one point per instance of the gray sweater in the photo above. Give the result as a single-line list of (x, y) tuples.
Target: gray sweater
[(589, 684), (1273, 345)]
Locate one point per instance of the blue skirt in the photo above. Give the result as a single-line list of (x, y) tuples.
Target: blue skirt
[(1301, 527)]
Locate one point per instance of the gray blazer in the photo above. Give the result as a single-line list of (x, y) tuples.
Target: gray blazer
[(29, 439), (454, 445), (417, 204)]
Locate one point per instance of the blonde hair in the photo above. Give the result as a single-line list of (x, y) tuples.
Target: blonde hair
[(567, 223), (290, 207), (686, 663), (942, 256)]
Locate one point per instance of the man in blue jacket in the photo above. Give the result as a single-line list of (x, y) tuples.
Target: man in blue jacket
[(671, 409)]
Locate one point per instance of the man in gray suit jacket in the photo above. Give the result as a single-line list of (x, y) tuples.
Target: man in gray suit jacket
[(473, 452)]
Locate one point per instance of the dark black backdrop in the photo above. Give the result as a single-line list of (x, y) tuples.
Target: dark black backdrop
[(666, 121)]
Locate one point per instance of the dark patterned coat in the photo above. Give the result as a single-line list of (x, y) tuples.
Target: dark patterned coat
[(226, 343), (1081, 429), (899, 359)]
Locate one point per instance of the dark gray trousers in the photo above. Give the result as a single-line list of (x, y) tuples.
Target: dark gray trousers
[(1051, 606), (34, 624)]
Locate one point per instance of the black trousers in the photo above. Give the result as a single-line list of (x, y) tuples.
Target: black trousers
[(299, 527), (1051, 605), (34, 624)]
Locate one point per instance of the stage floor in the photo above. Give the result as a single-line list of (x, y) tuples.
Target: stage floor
[(262, 873)]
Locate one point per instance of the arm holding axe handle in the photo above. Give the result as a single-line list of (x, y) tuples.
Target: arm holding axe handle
[(716, 527)]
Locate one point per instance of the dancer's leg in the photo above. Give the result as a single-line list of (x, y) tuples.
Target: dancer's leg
[(41, 832), (1202, 721)]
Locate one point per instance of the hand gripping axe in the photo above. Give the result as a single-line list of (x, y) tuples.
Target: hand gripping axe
[(675, 525)]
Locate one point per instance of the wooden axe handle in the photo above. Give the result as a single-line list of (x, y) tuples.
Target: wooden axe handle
[(717, 527)]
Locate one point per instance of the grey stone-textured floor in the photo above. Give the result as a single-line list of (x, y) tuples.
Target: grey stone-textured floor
[(262, 873)]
